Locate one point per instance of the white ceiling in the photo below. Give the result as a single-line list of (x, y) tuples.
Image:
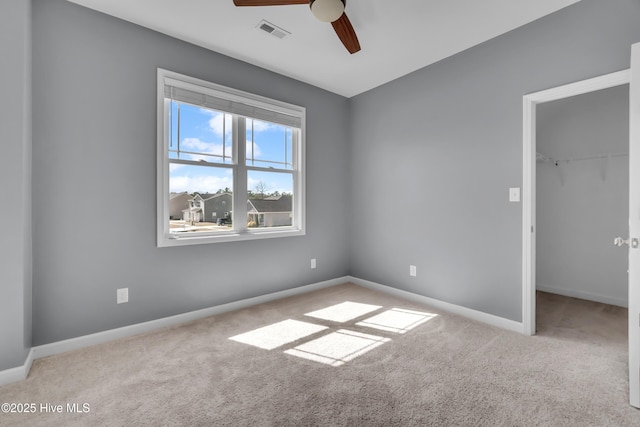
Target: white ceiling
[(397, 37)]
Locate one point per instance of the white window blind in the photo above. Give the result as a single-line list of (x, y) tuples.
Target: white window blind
[(229, 103)]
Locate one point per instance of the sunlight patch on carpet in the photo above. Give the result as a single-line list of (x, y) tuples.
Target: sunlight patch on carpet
[(338, 347), (344, 311), (397, 320), (278, 334)]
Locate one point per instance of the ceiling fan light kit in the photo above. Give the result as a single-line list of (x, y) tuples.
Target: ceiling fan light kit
[(327, 10)]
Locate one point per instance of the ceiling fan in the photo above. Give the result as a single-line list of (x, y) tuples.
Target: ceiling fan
[(326, 11)]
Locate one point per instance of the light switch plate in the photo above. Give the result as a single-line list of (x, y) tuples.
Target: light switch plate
[(122, 295), (514, 194)]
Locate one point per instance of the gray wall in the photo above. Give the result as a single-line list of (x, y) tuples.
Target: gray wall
[(416, 171), (94, 151), (434, 153), (15, 183), (583, 204)]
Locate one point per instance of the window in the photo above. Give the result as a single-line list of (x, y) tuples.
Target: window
[(230, 164)]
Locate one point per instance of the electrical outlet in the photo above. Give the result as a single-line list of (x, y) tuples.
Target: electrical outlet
[(122, 295), (412, 270), (313, 263)]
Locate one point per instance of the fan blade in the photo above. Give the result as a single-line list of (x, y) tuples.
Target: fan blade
[(268, 2), (346, 33)]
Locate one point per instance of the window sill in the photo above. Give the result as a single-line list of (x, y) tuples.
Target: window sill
[(182, 240)]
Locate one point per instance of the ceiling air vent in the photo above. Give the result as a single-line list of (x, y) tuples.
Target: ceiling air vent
[(274, 30)]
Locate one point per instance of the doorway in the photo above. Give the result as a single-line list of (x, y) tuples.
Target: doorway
[(529, 229), (530, 103), (582, 196)]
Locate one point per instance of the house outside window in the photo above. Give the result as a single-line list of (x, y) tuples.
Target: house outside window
[(230, 164)]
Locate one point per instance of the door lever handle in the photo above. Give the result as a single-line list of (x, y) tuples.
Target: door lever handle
[(619, 241)]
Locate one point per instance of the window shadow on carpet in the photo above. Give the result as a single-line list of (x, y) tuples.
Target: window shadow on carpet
[(331, 343)]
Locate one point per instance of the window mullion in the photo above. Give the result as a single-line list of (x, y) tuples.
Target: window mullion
[(224, 137), (252, 143), (295, 163), (163, 178), (239, 136), (178, 126), (298, 181)]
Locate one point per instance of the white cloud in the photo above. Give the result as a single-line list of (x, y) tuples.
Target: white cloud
[(197, 145), (260, 126), (270, 185), (252, 183), (204, 184), (256, 150), (210, 148), (221, 123)]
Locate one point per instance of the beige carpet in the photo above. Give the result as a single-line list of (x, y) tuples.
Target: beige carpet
[(396, 364)]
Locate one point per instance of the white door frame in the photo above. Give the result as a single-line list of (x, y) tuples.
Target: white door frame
[(529, 180), (634, 227)]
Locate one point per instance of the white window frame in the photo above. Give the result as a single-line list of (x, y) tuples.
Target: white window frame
[(245, 102)]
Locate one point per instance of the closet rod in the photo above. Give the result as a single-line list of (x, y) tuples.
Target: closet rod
[(605, 156)]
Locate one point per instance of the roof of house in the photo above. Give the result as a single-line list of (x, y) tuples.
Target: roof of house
[(208, 196), (272, 204), (214, 196), (176, 195)]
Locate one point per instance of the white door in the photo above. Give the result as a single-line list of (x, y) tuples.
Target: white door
[(634, 228)]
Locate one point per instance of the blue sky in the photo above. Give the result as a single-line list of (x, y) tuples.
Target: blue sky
[(206, 132)]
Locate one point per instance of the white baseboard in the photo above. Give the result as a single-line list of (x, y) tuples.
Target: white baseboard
[(21, 372), (153, 325), (469, 313), (18, 373), (620, 302)]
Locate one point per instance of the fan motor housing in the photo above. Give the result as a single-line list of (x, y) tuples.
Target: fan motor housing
[(327, 10)]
